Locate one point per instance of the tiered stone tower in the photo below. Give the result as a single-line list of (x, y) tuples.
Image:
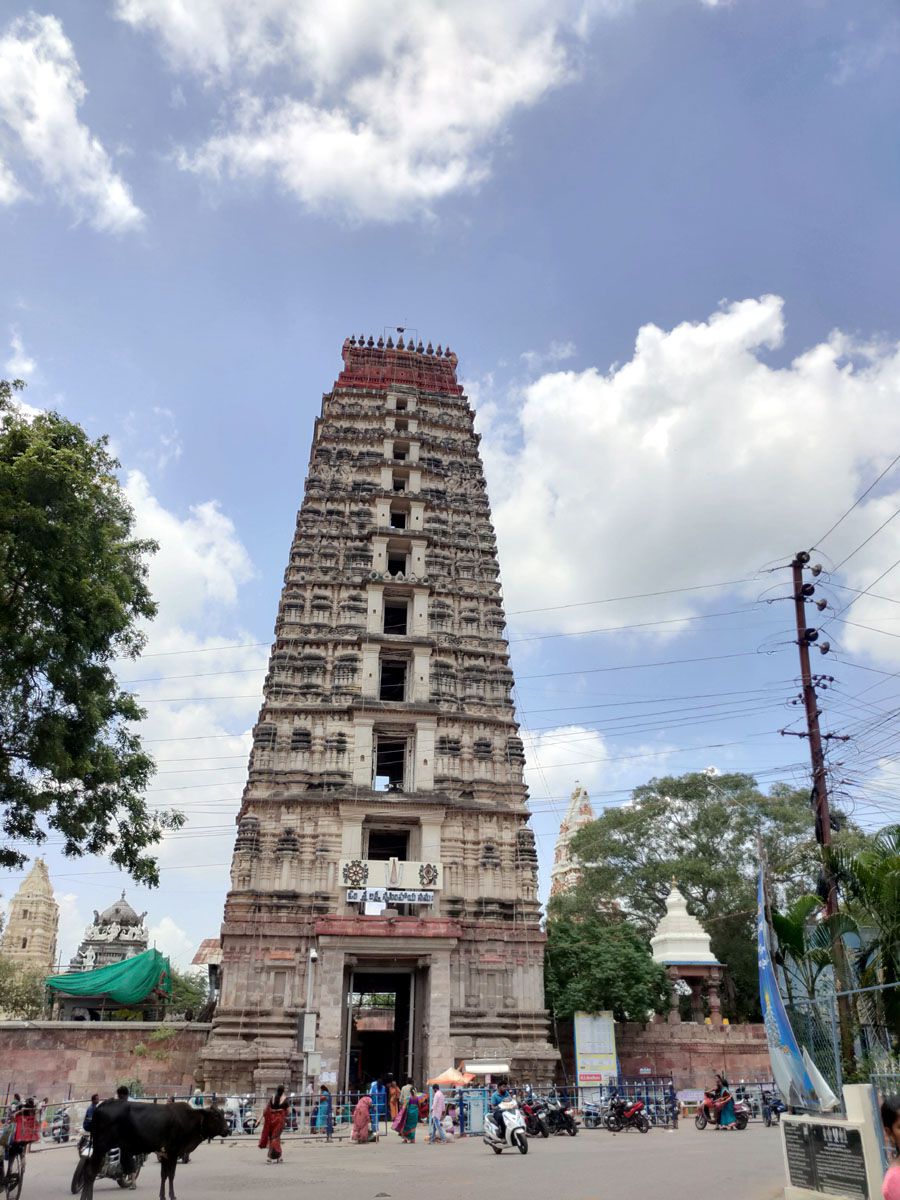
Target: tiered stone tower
[(566, 870), (114, 935), (29, 938), (383, 842)]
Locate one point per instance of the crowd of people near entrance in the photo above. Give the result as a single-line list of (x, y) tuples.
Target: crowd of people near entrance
[(404, 1108)]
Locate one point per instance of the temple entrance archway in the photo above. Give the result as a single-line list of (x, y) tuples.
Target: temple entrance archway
[(383, 1022)]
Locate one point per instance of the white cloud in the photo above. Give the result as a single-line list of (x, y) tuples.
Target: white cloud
[(171, 940), (201, 561), (695, 461), (41, 90), (556, 352), (10, 188), (20, 364), (72, 924), (361, 107)]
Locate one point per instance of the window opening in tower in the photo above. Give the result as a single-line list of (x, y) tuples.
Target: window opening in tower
[(396, 562), (395, 618), (385, 844), (393, 680), (399, 483), (398, 519), (390, 764)]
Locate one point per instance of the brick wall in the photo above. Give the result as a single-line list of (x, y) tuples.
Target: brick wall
[(75, 1058), (690, 1054)]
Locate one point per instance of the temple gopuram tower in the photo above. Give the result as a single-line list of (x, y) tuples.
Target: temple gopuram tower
[(29, 938), (383, 854)]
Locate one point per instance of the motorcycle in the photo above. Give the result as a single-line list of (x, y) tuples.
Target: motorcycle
[(623, 1114), (559, 1119), (535, 1122), (110, 1168), (513, 1129), (708, 1112), (772, 1107)]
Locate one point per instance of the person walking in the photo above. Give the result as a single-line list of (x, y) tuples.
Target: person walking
[(273, 1123), (409, 1103), (89, 1112), (361, 1128), (393, 1098), (378, 1092), (325, 1113), (438, 1106)]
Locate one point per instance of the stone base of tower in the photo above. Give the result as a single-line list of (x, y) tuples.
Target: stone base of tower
[(464, 992)]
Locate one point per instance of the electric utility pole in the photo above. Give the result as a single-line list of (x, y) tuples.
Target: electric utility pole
[(807, 636)]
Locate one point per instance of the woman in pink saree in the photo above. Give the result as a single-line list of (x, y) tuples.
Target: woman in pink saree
[(362, 1120)]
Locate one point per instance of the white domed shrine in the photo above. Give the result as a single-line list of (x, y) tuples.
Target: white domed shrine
[(681, 945), (679, 937)]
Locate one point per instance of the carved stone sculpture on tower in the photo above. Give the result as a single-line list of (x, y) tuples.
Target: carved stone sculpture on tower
[(383, 844), (29, 935)]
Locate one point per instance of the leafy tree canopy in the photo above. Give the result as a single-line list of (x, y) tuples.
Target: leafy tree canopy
[(190, 990), (599, 963), (700, 829), (73, 589), (21, 992)]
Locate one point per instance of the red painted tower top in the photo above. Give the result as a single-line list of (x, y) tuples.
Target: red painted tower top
[(383, 364)]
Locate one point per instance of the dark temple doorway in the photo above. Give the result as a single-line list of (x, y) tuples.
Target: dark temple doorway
[(380, 1020)]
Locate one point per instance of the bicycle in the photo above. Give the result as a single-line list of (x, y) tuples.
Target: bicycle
[(14, 1175)]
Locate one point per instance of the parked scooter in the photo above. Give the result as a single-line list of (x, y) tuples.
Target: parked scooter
[(60, 1126), (513, 1129), (110, 1168), (772, 1108), (592, 1116), (708, 1112), (627, 1114)]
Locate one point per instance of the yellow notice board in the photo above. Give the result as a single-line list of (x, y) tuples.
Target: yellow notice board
[(595, 1048)]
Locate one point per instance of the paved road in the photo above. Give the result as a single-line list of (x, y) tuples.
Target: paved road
[(595, 1165)]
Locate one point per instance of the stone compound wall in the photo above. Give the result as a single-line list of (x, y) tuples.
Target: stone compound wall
[(690, 1054), (74, 1058), (60, 1059)]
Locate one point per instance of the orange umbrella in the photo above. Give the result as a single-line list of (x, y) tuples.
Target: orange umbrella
[(452, 1078)]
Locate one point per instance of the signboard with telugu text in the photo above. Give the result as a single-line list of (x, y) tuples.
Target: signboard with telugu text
[(389, 896)]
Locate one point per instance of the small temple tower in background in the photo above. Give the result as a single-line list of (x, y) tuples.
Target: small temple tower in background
[(29, 938), (681, 945), (566, 871), (115, 934)]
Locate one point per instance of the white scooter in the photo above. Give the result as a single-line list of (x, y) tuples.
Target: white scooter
[(513, 1129)]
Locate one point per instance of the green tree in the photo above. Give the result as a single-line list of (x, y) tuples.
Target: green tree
[(601, 962), (21, 992), (73, 590), (869, 882), (190, 990), (805, 943), (701, 829)]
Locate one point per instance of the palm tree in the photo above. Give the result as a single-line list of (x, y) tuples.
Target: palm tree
[(805, 943), (870, 883)]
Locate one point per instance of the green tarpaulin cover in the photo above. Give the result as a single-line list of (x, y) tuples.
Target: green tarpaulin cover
[(127, 982)]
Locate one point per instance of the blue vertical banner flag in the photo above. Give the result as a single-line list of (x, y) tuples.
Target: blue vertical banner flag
[(788, 1067)]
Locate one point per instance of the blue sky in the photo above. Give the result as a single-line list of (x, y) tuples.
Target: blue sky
[(662, 237)]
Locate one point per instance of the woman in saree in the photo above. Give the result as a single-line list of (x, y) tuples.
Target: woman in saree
[(273, 1123), (393, 1094), (410, 1101), (325, 1113), (361, 1127), (724, 1105)]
